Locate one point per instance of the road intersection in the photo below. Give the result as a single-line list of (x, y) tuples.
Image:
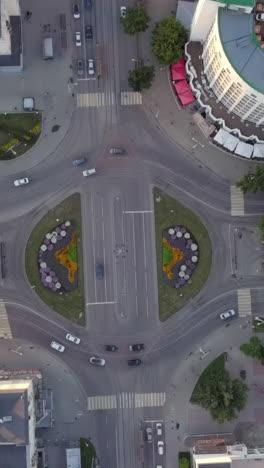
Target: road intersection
[(118, 230)]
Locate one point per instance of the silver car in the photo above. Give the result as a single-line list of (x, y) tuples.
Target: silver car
[(73, 339), (23, 181), (96, 361), (59, 347), (78, 39)]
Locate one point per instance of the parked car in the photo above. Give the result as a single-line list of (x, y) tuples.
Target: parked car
[(88, 3), (88, 32), (80, 67), (79, 162), (73, 339), (96, 361), (99, 271), (23, 181), (123, 11), (89, 172), (59, 347), (260, 16), (76, 10), (136, 347), (160, 446), (228, 314), (149, 435), (90, 67), (78, 39), (111, 347), (159, 428), (134, 362), (116, 151)]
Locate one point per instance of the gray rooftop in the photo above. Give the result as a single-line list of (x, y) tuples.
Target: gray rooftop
[(14, 431), (13, 457), (241, 46)]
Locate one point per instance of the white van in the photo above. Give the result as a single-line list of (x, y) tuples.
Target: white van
[(47, 46), (89, 172)]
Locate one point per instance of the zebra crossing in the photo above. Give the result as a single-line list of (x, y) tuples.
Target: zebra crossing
[(244, 302), (5, 330), (237, 201), (125, 400), (95, 99), (131, 98)]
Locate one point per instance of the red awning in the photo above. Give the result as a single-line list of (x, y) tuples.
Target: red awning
[(178, 70), (185, 94)]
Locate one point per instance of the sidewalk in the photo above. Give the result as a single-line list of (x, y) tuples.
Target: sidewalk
[(177, 124)]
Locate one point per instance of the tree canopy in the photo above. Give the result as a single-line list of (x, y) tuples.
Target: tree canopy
[(135, 20), (219, 394), (254, 349), (168, 39), (253, 182), (261, 226), (141, 77)]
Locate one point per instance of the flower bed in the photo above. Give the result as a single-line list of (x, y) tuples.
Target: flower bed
[(184, 256), (58, 259)]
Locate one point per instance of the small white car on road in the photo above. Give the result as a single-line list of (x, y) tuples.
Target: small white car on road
[(159, 428), (96, 361), (123, 11), (21, 182), (89, 172), (78, 39), (59, 347), (228, 314), (90, 67), (73, 339), (160, 446)]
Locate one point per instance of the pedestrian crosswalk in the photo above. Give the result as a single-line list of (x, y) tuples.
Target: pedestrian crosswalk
[(5, 330), (237, 201), (95, 99), (244, 302), (125, 400), (130, 98)]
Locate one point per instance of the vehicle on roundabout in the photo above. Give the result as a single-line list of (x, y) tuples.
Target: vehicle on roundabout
[(96, 361), (110, 347), (79, 162), (134, 362), (89, 172), (136, 347), (73, 339), (23, 181), (59, 347), (116, 151), (228, 314)]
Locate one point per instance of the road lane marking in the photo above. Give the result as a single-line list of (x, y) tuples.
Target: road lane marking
[(134, 212), (5, 330), (131, 98), (98, 303), (244, 302), (143, 400), (145, 262), (237, 201), (95, 99), (126, 400)]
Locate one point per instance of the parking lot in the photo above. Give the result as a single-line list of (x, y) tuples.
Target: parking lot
[(153, 440)]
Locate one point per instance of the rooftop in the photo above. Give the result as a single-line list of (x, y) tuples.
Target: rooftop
[(13, 430), (12, 456), (208, 98), (243, 3), (241, 46)]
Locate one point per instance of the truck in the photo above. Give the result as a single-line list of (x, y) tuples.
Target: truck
[(47, 48)]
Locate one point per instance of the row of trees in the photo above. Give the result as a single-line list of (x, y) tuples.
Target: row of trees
[(168, 39), (254, 349), (254, 182)]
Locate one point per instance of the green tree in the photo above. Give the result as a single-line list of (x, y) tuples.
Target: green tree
[(141, 77), (136, 19), (184, 462), (261, 226), (253, 182), (168, 39), (254, 349)]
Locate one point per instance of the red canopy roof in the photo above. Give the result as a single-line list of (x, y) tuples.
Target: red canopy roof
[(178, 70), (184, 92)]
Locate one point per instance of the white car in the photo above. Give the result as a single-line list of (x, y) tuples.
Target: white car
[(90, 67), (228, 314), (159, 429), (73, 339), (59, 347), (160, 446), (21, 182), (260, 16), (123, 11), (89, 172), (96, 361), (78, 40)]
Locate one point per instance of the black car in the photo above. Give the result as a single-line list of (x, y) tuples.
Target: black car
[(111, 347), (134, 362), (136, 347), (88, 3), (80, 67), (99, 271), (88, 32)]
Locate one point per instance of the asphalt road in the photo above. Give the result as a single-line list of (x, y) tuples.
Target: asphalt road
[(118, 231)]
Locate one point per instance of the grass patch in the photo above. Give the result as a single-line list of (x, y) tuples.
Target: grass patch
[(15, 126), (88, 453), (168, 212), (216, 368), (184, 459), (70, 304), (72, 254), (166, 254)]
